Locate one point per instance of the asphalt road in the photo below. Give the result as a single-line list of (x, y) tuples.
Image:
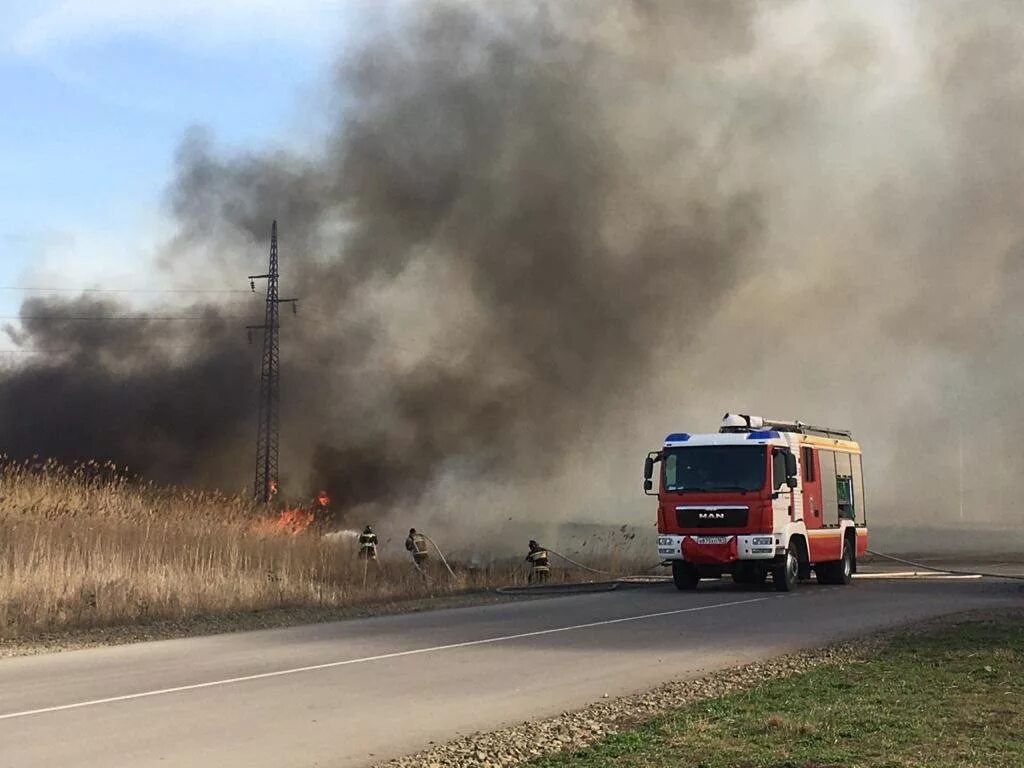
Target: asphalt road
[(355, 692)]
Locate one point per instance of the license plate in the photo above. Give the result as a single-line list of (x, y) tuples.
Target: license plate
[(712, 539)]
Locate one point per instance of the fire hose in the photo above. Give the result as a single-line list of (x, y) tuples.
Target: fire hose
[(590, 586), (953, 571), (894, 558), (618, 579), (440, 554), (614, 583), (577, 564)]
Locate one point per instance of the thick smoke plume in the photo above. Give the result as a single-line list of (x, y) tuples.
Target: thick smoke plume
[(544, 234)]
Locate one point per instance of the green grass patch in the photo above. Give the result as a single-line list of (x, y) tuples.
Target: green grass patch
[(949, 697)]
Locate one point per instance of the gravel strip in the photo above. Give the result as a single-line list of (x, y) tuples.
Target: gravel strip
[(572, 731), (241, 622)]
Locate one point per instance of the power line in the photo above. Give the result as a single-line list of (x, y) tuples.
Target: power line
[(135, 318), (45, 352), (307, 319), (39, 289), (66, 350)]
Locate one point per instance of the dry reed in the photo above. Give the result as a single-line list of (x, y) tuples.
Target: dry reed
[(86, 547)]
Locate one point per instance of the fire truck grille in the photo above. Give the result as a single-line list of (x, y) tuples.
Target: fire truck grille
[(696, 517)]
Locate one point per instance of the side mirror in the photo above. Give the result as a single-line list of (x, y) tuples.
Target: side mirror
[(791, 470), (649, 462)]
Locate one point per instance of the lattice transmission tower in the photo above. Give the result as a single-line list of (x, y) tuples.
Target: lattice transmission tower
[(268, 429)]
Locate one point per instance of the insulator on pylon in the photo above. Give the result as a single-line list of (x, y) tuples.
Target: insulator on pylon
[(295, 307), (252, 285)]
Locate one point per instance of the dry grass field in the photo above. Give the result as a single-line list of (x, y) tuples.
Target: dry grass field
[(84, 547)]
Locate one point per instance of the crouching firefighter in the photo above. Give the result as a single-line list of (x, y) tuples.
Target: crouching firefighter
[(538, 560), (368, 544), (416, 543)]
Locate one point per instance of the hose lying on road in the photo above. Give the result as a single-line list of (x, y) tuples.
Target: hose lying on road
[(584, 586), (639, 580), (953, 571)]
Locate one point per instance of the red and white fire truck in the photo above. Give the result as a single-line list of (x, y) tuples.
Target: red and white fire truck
[(760, 497)]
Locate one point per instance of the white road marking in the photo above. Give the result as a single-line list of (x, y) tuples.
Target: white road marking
[(380, 657), (917, 575)]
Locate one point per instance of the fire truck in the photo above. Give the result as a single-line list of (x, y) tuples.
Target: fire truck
[(759, 498)]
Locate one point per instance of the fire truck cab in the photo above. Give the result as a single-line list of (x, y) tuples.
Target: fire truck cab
[(760, 497)]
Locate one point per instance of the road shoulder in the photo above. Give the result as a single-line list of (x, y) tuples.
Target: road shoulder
[(613, 723), (274, 618)]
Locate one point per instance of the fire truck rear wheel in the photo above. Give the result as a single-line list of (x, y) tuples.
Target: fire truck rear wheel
[(684, 575), (844, 573), (787, 575), (837, 571)]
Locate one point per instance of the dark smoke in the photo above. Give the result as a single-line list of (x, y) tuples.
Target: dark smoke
[(542, 236), (480, 153), (121, 390)]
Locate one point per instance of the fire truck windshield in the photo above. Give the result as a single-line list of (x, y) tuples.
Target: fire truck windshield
[(715, 468)]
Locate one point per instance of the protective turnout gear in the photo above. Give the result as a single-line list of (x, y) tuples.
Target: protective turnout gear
[(416, 543), (368, 544), (538, 560), (321, 511)]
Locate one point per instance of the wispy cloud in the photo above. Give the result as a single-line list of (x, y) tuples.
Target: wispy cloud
[(63, 23)]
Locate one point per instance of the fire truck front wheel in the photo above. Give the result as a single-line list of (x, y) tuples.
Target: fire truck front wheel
[(787, 575), (684, 575)]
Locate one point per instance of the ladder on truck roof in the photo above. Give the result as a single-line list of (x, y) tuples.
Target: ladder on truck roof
[(740, 422), (799, 427)]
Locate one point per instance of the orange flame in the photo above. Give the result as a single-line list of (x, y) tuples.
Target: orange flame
[(323, 499), (294, 520), (291, 520)]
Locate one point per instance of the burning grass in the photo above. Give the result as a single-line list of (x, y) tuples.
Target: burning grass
[(86, 547)]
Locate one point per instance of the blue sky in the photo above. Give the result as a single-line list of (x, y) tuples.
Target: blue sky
[(97, 94)]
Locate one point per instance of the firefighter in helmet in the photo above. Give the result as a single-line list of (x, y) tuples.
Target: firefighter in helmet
[(416, 543), (538, 560), (368, 544), (321, 511)]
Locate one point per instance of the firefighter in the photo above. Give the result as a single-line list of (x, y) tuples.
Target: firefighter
[(538, 560), (416, 543), (368, 544), (322, 511)]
